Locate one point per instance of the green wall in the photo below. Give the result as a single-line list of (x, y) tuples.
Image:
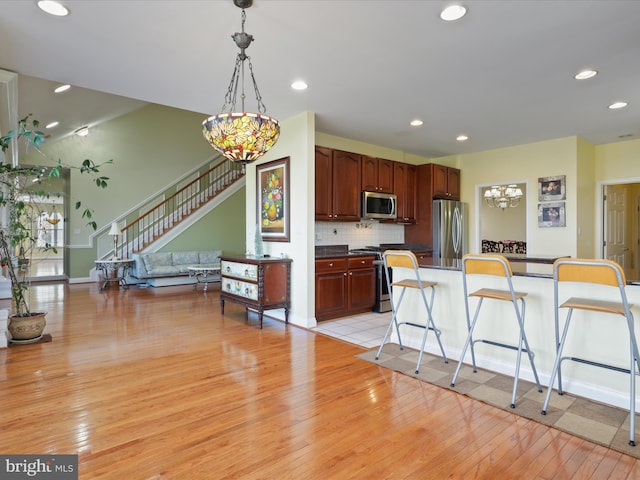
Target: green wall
[(151, 148), (224, 229)]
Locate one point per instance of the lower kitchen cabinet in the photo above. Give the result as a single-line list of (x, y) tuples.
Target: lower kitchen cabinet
[(344, 286)]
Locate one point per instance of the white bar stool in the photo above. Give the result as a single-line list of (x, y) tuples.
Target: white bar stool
[(605, 273), (497, 266), (407, 259)]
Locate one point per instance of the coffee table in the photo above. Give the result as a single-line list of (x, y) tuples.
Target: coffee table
[(204, 275)]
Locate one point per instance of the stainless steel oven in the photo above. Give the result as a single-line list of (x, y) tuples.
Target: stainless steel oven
[(383, 302)]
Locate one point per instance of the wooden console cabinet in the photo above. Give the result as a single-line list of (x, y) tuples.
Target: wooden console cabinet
[(257, 283)]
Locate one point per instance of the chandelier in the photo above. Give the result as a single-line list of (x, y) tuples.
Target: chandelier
[(241, 137), (54, 218), (503, 196)]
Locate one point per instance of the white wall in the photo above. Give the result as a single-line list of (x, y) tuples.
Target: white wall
[(297, 142), (525, 164)]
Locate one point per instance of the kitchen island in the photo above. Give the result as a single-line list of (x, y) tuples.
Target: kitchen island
[(602, 337)]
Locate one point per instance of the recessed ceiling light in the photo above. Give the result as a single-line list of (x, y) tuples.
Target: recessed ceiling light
[(416, 123), (53, 8), (62, 88), (299, 85), (462, 138), (617, 105), (52, 125), (584, 74), (453, 12), (82, 131)]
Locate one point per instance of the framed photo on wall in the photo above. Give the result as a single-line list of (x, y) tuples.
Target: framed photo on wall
[(551, 215), (551, 188), (273, 200)]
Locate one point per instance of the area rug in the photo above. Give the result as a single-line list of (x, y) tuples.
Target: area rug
[(593, 421)]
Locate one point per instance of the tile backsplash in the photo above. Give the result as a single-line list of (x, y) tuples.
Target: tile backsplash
[(358, 234)]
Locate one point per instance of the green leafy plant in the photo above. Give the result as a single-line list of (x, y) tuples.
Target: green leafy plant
[(22, 189)]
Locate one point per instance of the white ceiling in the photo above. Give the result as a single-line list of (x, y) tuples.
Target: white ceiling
[(503, 75)]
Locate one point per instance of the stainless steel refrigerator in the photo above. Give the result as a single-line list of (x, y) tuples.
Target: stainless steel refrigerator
[(448, 230)]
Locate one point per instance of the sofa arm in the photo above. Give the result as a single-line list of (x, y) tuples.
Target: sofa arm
[(139, 270)]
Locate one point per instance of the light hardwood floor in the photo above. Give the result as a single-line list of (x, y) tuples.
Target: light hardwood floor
[(155, 383)]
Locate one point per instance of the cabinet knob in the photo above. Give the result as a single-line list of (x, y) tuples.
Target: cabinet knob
[(345, 274), (331, 264)]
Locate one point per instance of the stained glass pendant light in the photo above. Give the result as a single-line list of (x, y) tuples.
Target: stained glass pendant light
[(242, 137)]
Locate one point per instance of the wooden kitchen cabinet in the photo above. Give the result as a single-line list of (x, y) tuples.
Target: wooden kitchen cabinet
[(446, 182), (377, 175), (344, 286), (404, 186), (431, 176), (331, 288), (337, 185), (257, 283)]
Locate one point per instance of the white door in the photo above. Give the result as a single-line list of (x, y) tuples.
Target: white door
[(616, 246)]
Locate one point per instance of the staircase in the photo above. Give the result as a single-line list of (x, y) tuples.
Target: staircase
[(168, 213)]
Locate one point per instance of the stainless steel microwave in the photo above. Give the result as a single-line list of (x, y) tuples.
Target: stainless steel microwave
[(377, 205)]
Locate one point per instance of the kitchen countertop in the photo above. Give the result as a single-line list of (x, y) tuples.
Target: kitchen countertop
[(338, 251), (335, 251), (456, 264)]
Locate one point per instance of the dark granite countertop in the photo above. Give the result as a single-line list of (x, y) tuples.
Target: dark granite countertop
[(338, 251), (456, 264)]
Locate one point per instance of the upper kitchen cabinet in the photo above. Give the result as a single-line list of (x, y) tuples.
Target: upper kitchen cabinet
[(446, 182), (436, 181), (377, 174), (338, 180), (404, 186)]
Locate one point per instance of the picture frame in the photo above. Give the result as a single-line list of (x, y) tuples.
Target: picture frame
[(551, 215), (552, 188), (272, 194)]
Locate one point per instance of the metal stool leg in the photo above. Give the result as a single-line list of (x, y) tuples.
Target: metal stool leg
[(392, 322), (555, 370), (467, 343), (429, 325)]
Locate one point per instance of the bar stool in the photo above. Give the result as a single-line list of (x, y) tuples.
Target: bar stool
[(605, 273), (407, 259), (497, 266)]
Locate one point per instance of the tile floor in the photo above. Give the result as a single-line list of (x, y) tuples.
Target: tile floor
[(365, 330)]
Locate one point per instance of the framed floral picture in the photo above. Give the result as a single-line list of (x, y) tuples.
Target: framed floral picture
[(273, 200), (551, 189), (551, 215)]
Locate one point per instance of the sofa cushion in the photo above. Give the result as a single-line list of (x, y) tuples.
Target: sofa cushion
[(158, 259), (165, 270), (185, 258), (210, 257)]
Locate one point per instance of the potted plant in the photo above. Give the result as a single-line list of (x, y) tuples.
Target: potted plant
[(22, 191)]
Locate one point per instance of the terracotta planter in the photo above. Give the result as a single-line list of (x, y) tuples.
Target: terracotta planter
[(27, 329)]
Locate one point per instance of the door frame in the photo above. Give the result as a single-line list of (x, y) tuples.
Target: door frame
[(599, 225)]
